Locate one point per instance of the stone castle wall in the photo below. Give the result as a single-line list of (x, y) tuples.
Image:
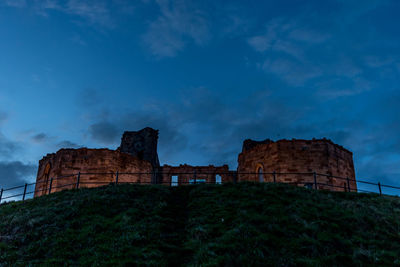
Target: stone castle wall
[(100, 165), (141, 144), (297, 156), (187, 174), (138, 154)]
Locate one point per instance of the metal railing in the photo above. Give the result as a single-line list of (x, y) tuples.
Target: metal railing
[(310, 180)]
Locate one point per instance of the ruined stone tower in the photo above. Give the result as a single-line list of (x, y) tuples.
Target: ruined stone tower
[(141, 144), (316, 163), (295, 160)]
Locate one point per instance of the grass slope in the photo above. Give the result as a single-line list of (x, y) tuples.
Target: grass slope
[(203, 225)]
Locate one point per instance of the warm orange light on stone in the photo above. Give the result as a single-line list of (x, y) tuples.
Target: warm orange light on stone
[(298, 156), (136, 161)]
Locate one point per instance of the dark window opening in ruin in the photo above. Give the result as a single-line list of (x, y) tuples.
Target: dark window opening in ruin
[(309, 185), (197, 181), (218, 179), (140, 154), (174, 180), (260, 175)]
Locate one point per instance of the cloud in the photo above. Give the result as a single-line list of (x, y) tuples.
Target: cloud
[(94, 12), (285, 45), (40, 138), (308, 36), (67, 144), (16, 173), (104, 132), (201, 127), (289, 37), (109, 133), (179, 23), (260, 43), (292, 71), (201, 123), (15, 3), (13, 172), (337, 87), (304, 55), (7, 147)]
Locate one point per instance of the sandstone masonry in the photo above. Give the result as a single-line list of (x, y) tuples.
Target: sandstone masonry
[(292, 159), (136, 161)]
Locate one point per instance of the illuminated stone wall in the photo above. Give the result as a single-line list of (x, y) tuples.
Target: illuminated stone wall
[(297, 156), (100, 164), (136, 160), (187, 173)]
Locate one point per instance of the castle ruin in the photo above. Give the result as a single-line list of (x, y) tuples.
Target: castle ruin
[(136, 161)]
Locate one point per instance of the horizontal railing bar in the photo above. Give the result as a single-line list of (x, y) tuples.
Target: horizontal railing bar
[(200, 175), (192, 183), (12, 188), (97, 182), (62, 186), (390, 186), (365, 191), (365, 182), (337, 177), (283, 173), (95, 173), (12, 196)]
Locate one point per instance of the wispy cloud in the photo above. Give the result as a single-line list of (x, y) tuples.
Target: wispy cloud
[(284, 44), (301, 55), (15, 3), (292, 71), (285, 36), (95, 12), (179, 23)]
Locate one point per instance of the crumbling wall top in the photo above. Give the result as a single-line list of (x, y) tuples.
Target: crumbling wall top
[(249, 144), (141, 144)]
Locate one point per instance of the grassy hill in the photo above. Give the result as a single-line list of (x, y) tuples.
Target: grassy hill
[(203, 225)]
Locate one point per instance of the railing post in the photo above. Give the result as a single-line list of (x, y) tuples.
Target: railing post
[(23, 197), (1, 194), (380, 189), (315, 180), (274, 176), (78, 180), (116, 177), (348, 184), (51, 185)]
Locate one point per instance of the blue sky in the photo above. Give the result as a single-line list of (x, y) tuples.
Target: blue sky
[(207, 74)]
